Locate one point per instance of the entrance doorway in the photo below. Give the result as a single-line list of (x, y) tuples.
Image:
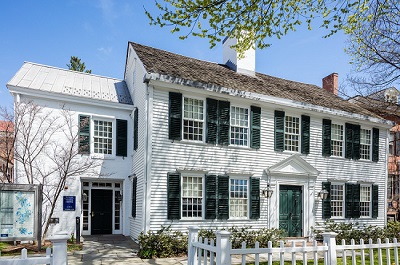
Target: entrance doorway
[(101, 215), (290, 210)]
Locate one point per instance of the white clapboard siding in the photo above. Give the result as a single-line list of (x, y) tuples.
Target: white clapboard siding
[(167, 156)]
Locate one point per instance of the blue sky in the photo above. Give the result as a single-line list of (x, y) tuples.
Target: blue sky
[(97, 31)]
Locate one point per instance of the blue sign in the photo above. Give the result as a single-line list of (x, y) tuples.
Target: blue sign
[(69, 203)]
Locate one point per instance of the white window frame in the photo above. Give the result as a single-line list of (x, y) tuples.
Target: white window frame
[(369, 146), (114, 136), (195, 175), (291, 134), (337, 140), (247, 198), (369, 200), (343, 200), (194, 120), (239, 126)]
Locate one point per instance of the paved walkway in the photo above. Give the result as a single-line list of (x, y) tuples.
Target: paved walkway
[(114, 249)]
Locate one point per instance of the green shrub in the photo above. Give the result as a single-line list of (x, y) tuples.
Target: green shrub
[(167, 243), (162, 244), (348, 231)]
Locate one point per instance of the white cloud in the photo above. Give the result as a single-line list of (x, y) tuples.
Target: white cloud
[(107, 8), (105, 50)]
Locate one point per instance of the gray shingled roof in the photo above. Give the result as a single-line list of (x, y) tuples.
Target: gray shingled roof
[(175, 65), (56, 80)]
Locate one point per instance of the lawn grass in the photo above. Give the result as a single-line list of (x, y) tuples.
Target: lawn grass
[(340, 260)]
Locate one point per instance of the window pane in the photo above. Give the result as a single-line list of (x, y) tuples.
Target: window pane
[(193, 119), (365, 144), (192, 196), (102, 137), (337, 140), (292, 133), (238, 198), (365, 201), (239, 126), (337, 200)]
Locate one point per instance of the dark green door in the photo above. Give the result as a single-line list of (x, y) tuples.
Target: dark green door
[(290, 210), (101, 215)]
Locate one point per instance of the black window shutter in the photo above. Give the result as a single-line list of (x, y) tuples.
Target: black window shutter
[(255, 198), (305, 134), (135, 129), (134, 194), (326, 137), (375, 198), (375, 144), (84, 134), (279, 130), (352, 200), (122, 137), (348, 140), (255, 127), (356, 142), (223, 197), (224, 122), (175, 116), (174, 196), (211, 197), (212, 121), (326, 204)]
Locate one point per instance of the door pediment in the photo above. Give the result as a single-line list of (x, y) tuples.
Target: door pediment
[(293, 166)]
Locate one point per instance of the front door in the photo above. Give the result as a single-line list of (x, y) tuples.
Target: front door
[(290, 210), (101, 215)]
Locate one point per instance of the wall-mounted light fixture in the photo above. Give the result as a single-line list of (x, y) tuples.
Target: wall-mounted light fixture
[(118, 196), (267, 193), (323, 194), (84, 196)]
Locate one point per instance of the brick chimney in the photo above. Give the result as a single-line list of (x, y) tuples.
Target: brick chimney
[(330, 83), (245, 65)]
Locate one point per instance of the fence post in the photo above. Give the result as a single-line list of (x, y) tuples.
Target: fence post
[(193, 234), (330, 240), (224, 245), (59, 242)]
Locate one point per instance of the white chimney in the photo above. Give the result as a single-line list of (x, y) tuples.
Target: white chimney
[(245, 65)]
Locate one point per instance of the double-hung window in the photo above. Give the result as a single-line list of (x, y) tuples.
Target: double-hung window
[(102, 137), (292, 133), (365, 144), (193, 119), (337, 200), (239, 126), (238, 198), (365, 200), (192, 196), (337, 140)]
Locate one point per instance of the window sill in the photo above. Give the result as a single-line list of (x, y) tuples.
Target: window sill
[(103, 157), (188, 142)]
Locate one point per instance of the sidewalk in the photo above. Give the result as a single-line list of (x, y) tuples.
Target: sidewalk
[(114, 249)]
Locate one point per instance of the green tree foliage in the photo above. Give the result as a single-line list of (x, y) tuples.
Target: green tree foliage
[(374, 46), (75, 64), (260, 19)]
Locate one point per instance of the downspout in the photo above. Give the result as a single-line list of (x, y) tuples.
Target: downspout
[(147, 151), (386, 174), (17, 100)]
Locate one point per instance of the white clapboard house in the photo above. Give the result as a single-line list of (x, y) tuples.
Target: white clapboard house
[(217, 145)]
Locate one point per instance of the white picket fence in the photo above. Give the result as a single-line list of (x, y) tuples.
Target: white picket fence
[(58, 257), (220, 252)]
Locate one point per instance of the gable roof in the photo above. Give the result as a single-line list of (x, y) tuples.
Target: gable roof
[(175, 65), (56, 80)]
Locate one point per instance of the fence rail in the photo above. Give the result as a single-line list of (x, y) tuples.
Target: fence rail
[(58, 257), (220, 252)]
